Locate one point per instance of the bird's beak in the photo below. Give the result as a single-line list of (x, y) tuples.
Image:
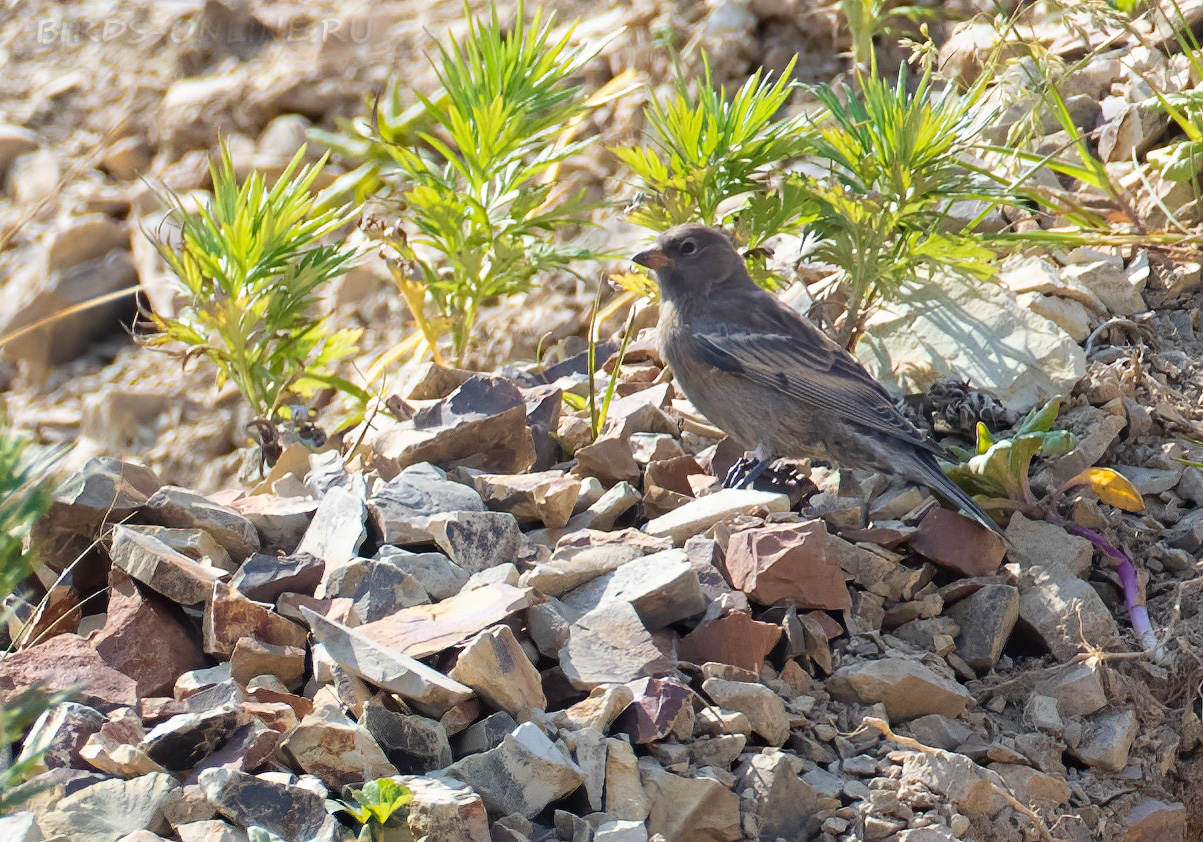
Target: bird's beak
[(653, 259)]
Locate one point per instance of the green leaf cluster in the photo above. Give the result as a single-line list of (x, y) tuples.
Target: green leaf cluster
[(998, 468), (251, 263), (375, 805), (707, 149), (482, 205), (897, 160)]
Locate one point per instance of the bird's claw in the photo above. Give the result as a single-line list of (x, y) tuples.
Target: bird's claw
[(745, 472)]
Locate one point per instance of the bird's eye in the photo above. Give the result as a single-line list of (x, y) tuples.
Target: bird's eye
[(688, 247)]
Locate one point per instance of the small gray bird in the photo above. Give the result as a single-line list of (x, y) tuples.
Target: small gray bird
[(769, 378)]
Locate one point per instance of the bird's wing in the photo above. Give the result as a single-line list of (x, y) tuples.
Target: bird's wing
[(812, 370)]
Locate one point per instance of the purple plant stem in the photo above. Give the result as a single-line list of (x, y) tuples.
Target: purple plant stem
[(1134, 596)]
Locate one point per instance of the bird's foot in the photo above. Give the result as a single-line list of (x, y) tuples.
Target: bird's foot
[(745, 472)]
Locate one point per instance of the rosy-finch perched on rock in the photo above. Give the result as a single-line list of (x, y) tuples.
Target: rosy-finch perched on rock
[(769, 378)]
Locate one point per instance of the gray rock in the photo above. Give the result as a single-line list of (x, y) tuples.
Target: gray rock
[(1107, 739), (185, 509), (20, 827), (161, 568), (610, 645), (477, 541), (438, 575), (986, 618), (58, 735), (966, 785), (291, 812), (1078, 689), (414, 744), (338, 528), (485, 734), (1064, 612), (376, 588), (107, 811), (776, 801), (685, 809), (663, 588), (522, 775), (402, 508), (938, 731), (764, 708), (620, 830), (699, 515), (264, 577), (907, 688), (445, 810), (1150, 480), (184, 740)]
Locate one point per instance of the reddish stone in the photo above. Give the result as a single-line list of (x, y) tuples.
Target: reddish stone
[(160, 708), (880, 535), (67, 662), (788, 563), (656, 705), (143, 637), (830, 625), (229, 617), (954, 541), (1156, 821), (735, 639), (674, 474)]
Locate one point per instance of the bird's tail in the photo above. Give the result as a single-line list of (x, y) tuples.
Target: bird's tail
[(929, 474)]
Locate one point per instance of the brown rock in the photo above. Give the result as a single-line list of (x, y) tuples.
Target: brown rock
[(253, 657), (547, 497), (954, 541), (609, 459), (67, 662), (672, 474), (161, 568), (331, 746), (495, 666), (689, 809), (1156, 821), (907, 688), (735, 639), (143, 637), (444, 811), (184, 509), (230, 616), (788, 563), (656, 706), (427, 629)]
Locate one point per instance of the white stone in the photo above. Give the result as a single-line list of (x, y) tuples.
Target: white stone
[(699, 515)]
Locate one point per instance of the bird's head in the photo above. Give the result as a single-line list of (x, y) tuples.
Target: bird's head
[(690, 260)]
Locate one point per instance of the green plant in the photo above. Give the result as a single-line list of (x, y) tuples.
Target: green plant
[(24, 497), (251, 263), (711, 157), (481, 203), (380, 807), (898, 162), (996, 473), (870, 19)]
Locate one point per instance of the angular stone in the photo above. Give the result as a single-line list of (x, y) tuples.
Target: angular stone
[(522, 775), (1037, 543), (281, 521), (907, 688), (428, 629), (610, 645), (338, 528), (414, 744), (184, 509), (734, 639), (1032, 786), (291, 812), (764, 708), (495, 666), (1107, 739), (183, 741), (607, 508), (477, 541), (67, 662), (329, 744), (264, 578), (954, 776), (954, 541), (1110, 283), (662, 588), (402, 508), (624, 796), (209, 830), (657, 706), (774, 794), (787, 564), (699, 515), (106, 811), (253, 657), (986, 619), (579, 558), (143, 637), (620, 831), (438, 575), (376, 588), (444, 810), (609, 459), (56, 737), (482, 424), (161, 568), (687, 809), (197, 544), (20, 826), (1078, 689), (429, 690), (1156, 821), (1064, 612), (938, 731), (230, 616), (547, 497)]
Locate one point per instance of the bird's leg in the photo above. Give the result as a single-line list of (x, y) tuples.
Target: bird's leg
[(738, 470), (745, 472), (755, 469)]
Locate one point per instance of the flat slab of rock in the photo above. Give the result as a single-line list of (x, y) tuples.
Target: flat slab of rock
[(546, 497), (494, 665), (907, 688), (662, 588), (764, 708), (230, 616), (734, 639), (185, 509), (610, 645), (338, 528), (402, 508), (107, 811), (687, 809), (388, 668), (699, 515), (291, 812), (954, 541), (444, 810), (427, 629), (477, 541)]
